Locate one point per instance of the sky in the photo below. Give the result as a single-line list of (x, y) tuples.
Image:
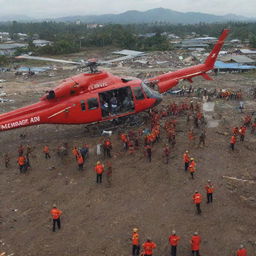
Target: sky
[(59, 8)]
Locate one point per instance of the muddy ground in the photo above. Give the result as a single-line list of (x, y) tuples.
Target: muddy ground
[(155, 197)]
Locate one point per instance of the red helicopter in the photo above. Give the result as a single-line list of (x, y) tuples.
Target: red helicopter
[(100, 96)]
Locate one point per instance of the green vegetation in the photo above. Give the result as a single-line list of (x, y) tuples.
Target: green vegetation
[(70, 37)]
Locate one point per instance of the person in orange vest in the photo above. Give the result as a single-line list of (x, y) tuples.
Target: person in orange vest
[(124, 138), (209, 191), (107, 147), (22, 163), (233, 142), (56, 213), (75, 152), (242, 132), (192, 167), (195, 244), (197, 199), (135, 243), (241, 251), (46, 152), (173, 240), (166, 153), (80, 162), (99, 169), (186, 160), (148, 247)]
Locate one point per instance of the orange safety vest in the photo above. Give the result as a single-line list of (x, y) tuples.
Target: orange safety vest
[(135, 238), (46, 149), (192, 166), (197, 197), (186, 158), (80, 159), (173, 240), (233, 140), (209, 189), (21, 160), (55, 213), (99, 168), (148, 248), (195, 243)]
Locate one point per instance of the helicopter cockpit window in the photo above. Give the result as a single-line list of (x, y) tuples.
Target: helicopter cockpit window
[(93, 103), (83, 107), (138, 93)]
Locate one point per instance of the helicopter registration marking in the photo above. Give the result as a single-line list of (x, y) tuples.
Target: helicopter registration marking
[(96, 86), (19, 123)]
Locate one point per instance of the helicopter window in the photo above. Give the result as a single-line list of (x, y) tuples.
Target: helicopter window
[(138, 93), (93, 103), (83, 107)]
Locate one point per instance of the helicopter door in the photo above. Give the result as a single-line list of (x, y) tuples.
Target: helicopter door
[(116, 102)]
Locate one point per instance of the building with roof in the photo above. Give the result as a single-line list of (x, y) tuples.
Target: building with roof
[(9, 49), (221, 66), (41, 43), (241, 59)]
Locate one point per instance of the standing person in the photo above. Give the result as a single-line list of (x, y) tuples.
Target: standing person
[(202, 139), (22, 163), (109, 174), (99, 169), (209, 191), (241, 251), (166, 153), (195, 244), (75, 152), (197, 199), (148, 247), (56, 213), (135, 243), (148, 152), (233, 142), (173, 240), (186, 160), (242, 132), (46, 152), (6, 160), (192, 167), (107, 147), (80, 162)]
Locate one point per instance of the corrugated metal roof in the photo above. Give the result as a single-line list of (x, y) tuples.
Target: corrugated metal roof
[(222, 65), (11, 46), (247, 51), (129, 53), (237, 58)]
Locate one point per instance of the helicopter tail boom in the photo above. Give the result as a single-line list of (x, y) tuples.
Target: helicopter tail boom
[(167, 81)]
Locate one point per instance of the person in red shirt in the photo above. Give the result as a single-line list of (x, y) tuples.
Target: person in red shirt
[(107, 147), (197, 199), (80, 162), (195, 244), (148, 247), (242, 132), (209, 191), (192, 167), (135, 243), (22, 163), (186, 160), (99, 169), (233, 142), (56, 213), (173, 240), (241, 251), (46, 152)]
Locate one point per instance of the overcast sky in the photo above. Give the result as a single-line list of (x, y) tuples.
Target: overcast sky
[(58, 8)]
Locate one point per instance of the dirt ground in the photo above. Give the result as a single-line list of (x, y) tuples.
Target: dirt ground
[(155, 197)]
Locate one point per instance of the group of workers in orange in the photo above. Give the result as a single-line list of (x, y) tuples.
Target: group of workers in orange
[(149, 246)]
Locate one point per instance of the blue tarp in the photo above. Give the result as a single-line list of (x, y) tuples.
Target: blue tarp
[(222, 65)]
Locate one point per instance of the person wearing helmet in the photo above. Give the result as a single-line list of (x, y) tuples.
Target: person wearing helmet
[(195, 244), (186, 160), (56, 213), (148, 247), (173, 240), (99, 169), (197, 198), (135, 243), (241, 251), (209, 191)]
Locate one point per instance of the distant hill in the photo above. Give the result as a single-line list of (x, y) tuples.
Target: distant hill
[(155, 15), (15, 17)]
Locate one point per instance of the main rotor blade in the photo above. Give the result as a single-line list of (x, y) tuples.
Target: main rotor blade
[(48, 59)]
